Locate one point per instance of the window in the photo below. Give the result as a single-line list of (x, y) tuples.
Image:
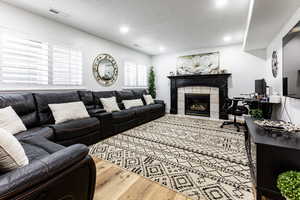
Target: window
[(29, 62), (23, 61), (67, 66), (141, 76), (135, 75)]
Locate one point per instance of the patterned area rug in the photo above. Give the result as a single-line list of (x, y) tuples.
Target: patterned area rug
[(191, 156)]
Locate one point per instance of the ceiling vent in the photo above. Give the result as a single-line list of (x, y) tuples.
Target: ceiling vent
[(58, 12), (54, 11)]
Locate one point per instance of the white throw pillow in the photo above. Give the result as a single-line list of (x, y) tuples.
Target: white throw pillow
[(68, 111), (148, 99), (110, 104), (132, 103), (12, 154), (10, 121)]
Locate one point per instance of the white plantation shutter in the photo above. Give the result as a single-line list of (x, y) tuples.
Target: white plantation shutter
[(135, 75), (23, 61), (130, 74), (28, 62), (142, 76), (67, 66)]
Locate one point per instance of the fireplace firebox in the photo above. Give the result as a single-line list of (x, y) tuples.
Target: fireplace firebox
[(197, 104)]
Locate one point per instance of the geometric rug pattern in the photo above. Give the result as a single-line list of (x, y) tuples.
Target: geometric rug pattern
[(191, 156)]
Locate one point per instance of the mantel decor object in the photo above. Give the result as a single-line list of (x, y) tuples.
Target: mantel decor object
[(105, 69), (206, 63)]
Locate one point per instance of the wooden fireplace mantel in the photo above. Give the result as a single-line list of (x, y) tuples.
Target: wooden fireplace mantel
[(206, 80), (199, 76)]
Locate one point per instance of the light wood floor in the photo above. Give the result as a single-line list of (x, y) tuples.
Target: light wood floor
[(114, 183)]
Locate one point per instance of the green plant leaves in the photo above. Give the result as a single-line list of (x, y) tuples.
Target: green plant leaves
[(257, 113), (151, 83), (289, 185)]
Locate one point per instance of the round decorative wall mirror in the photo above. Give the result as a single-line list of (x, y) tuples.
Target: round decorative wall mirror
[(274, 64), (105, 69)]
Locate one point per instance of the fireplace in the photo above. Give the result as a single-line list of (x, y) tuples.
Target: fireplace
[(197, 104), (214, 84)]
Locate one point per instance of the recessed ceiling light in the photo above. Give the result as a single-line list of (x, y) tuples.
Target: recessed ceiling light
[(162, 49), (227, 38), (221, 3), (124, 29)]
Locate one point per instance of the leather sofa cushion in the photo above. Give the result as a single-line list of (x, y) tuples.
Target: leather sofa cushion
[(43, 99), (96, 111), (124, 95), (159, 102), (155, 107), (75, 128), (123, 116), (87, 98), (45, 132), (39, 147), (139, 93), (102, 94), (24, 105), (33, 152), (141, 112)]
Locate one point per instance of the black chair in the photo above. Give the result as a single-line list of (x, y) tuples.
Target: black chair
[(231, 107)]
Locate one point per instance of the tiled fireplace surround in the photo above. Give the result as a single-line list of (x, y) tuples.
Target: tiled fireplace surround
[(214, 98), (202, 83)]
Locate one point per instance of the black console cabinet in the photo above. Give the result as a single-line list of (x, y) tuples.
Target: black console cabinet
[(269, 155)]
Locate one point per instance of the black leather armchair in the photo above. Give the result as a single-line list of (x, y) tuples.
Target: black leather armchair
[(54, 172)]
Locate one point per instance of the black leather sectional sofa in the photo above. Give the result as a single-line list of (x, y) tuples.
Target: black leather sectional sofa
[(59, 164)]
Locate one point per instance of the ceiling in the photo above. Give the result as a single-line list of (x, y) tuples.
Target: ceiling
[(176, 25), (267, 18)]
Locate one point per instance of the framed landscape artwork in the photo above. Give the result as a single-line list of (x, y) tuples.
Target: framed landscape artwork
[(207, 63)]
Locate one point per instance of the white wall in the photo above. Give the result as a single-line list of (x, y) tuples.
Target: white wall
[(43, 29), (292, 105), (245, 68)]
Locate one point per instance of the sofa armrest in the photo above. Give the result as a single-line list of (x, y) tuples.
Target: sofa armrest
[(159, 101), (106, 123), (39, 171), (93, 112)]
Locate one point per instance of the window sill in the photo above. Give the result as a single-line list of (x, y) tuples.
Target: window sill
[(134, 87), (20, 89)]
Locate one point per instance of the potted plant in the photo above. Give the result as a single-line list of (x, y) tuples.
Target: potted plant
[(257, 114), (151, 83), (289, 185)]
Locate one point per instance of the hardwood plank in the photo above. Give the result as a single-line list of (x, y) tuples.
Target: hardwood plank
[(146, 190), (115, 183)]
